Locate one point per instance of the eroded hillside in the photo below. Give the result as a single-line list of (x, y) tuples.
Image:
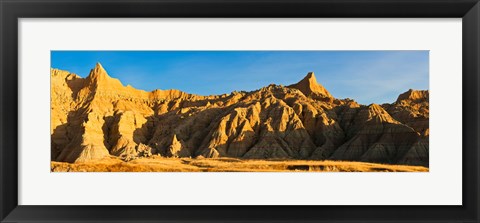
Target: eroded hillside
[(97, 117)]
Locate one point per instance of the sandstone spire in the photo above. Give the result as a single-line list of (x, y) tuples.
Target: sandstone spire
[(310, 88), (100, 79), (98, 73)]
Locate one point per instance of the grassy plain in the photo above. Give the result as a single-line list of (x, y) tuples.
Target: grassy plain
[(161, 164)]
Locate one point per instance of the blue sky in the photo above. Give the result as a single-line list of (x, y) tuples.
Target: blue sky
[(366, 76)]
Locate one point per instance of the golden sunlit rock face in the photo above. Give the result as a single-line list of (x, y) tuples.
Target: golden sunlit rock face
[(97, 117)]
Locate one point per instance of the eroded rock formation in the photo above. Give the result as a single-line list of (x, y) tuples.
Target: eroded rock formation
[(97, 117)]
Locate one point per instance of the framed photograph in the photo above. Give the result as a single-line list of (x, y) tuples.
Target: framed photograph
[(239, 111)]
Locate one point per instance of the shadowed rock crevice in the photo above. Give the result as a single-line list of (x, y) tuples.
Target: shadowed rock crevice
[(97, 117)]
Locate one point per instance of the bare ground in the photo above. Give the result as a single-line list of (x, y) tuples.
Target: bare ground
[(160, 164)]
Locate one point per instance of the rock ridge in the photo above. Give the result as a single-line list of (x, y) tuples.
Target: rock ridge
[(98, 117)]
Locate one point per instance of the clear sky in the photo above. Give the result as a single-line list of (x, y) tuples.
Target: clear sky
[(366, 76)]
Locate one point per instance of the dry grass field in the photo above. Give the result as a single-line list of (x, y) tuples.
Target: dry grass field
[(161, 164)]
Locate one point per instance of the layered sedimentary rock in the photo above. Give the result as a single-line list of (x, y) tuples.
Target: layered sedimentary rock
[(97, 117), (412, 108)]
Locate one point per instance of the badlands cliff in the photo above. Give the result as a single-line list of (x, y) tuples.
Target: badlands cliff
[(98, 117)]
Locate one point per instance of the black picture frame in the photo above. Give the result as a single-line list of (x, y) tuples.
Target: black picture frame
[(11, 11)]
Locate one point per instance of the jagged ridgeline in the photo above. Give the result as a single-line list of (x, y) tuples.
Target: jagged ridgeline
[(97, 117)]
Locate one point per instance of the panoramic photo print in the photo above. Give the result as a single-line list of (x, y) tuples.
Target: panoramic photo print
[(239, 111)]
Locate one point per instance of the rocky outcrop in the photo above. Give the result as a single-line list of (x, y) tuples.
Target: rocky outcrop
[(97, 117), (376, 137), (309, 87), (412, 108)]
